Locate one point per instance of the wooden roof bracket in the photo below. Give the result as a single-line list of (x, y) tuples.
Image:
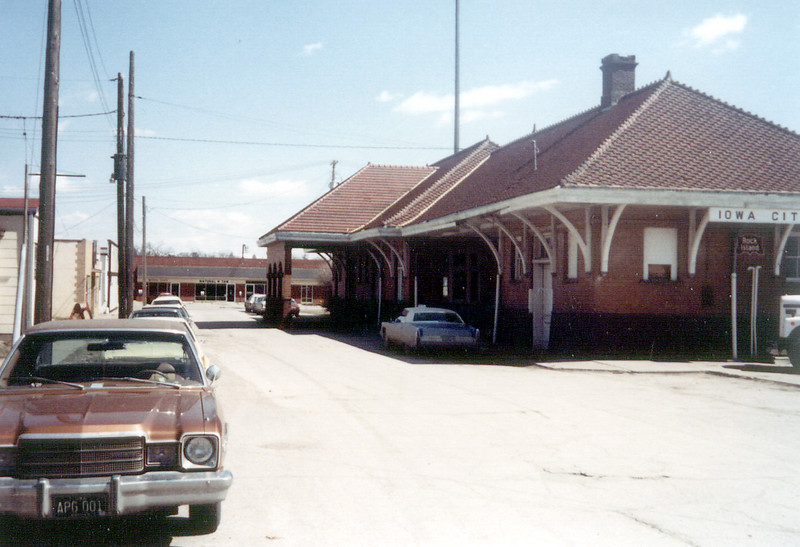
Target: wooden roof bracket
[(607, 234), (538, 233), (781, 245), (583, 242), (520, 252), (695, 236), (400, 262), (491, 246), (383, 254)]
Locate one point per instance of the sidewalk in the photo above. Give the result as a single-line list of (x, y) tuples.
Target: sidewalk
[(780, 371)]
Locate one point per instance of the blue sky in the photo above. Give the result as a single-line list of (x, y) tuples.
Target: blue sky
[(244, 104)]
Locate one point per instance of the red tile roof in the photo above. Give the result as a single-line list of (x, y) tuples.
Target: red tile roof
[(19, 203), (663, 136), (358, 200), (450, 172)]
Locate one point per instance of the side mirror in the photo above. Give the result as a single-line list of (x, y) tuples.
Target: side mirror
[(213, 373)]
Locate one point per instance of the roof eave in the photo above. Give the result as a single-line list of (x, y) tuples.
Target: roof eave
[(315, 237)]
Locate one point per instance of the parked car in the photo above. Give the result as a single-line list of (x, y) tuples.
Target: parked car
[(166, 300), (109, 417), (260, 304), (248, 304), (294, 310), (424, 327), (178, 312)]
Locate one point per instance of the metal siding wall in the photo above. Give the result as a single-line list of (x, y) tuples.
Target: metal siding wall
[(8, 281)]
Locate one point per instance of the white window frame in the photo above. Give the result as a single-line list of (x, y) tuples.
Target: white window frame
[(794, 236), (660, 246)]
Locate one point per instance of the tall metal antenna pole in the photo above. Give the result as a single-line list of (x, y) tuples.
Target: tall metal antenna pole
[(47, 182), (457, 93)]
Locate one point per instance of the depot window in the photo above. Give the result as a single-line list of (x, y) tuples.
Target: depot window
[(790, 267), (660, 254)]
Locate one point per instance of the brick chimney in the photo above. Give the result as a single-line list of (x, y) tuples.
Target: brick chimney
[(619, 78)]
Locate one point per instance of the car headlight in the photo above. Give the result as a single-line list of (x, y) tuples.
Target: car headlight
[(200, 451)]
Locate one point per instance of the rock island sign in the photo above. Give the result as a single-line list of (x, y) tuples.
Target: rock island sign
[(754, 216)]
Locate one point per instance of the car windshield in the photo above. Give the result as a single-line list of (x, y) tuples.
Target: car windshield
[(102, 357), (166, 302), (161, 312)]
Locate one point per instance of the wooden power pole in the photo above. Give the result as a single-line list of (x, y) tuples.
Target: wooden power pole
[(43, 309), (129, 200), (119, 177)]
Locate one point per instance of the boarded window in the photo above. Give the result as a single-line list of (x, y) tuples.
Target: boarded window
[(660, 254)]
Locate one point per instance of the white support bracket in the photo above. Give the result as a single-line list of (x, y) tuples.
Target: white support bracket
[(781, 245), (607, 234), (583, 243), (489, 243), (694, 243), (401, 263), (538, 233), (385, 257), (520, 252)]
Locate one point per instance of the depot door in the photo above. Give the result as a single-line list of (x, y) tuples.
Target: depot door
[(541, 303)]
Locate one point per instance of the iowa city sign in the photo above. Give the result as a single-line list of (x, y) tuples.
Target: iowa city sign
[(754, 216)]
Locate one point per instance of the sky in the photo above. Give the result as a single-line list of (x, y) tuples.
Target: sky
[(242, 106)]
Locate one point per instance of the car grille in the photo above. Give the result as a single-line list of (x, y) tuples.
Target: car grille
[(80, 457)]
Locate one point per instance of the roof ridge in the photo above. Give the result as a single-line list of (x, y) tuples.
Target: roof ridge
[(662, 85), (432, 170), (482, 146)]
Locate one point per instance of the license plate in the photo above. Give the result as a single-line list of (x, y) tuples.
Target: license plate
[(72, 506)]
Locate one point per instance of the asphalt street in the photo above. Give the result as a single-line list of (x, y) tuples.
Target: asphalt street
[(336, 441)]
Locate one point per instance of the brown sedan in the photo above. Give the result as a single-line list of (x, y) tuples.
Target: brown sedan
[(103, 418)]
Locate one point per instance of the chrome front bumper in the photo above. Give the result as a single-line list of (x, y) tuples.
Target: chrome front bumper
[(127, 494)]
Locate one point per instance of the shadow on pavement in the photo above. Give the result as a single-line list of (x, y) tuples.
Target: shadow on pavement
[(776, 369), (133, 530)]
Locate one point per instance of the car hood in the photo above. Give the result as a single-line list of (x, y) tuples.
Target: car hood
[(159, 414)]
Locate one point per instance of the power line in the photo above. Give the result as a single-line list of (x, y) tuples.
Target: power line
[(293, 145), (8, 117)]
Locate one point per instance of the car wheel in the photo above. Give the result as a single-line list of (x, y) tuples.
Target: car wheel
[(794, 352), (386, 342), (205, 518)]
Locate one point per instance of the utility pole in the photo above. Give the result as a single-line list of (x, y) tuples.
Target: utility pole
[(333, 174), (47, 181), (129, 200), (455, 116), (119, 177)]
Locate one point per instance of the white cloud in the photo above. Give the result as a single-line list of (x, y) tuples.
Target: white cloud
[(69, 185), (277, 189), (477, 104), (311, 49), (387, 97), (718, 32)]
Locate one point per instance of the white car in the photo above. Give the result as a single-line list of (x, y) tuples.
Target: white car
[(251, 300), (166, 300), (424, 327)]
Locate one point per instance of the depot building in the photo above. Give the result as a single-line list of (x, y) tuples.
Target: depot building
[(661, 221)]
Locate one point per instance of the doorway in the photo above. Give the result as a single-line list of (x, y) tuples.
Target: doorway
[(541, 303)]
